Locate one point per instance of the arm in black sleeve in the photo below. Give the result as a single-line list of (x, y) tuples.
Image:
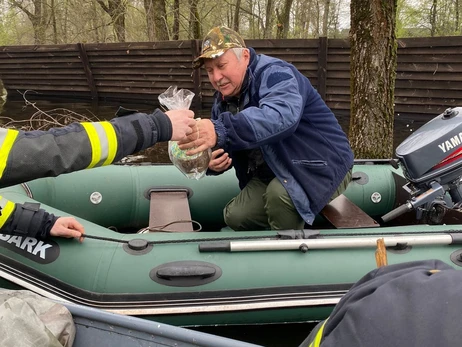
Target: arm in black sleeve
[(139, 131), (29, 219), (78, 146)]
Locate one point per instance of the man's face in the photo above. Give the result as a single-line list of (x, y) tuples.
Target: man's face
[(226, 73)]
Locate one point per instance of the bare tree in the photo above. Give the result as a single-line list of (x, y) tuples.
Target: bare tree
[(236, 15), (38, 18), (116, 9), (457, 22), (433, 18), (156, 20), (325, 18), (268, 19), (373, 72), (194, 22), (283, 18), (176, 20)]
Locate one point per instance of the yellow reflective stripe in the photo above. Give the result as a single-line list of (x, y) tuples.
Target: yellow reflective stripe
[(112, 142), (318, 337), (7, 138), (103, 142), (94, 143), (7, 208)]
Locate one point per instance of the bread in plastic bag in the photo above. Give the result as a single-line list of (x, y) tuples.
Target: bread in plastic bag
[(192, 166)]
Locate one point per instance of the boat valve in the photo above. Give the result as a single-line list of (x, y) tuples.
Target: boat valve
[(137, 244), (137, 247)]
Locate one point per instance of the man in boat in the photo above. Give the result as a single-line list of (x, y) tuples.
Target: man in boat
[(33, 154), (408, 304), (290, 154)]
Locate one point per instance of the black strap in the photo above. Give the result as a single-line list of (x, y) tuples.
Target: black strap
[(27, 219)]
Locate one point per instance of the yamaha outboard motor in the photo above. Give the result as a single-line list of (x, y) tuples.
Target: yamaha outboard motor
[(431, 159)]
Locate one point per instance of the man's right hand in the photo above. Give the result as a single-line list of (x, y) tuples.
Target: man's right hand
[(182, 123)]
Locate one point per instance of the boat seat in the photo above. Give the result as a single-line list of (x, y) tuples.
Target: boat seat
[(342, 213), (169, 210)]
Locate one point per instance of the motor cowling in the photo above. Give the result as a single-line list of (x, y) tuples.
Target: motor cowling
[(434, 151), (431, 159)]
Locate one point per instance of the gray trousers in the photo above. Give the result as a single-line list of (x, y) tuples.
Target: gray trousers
[(261, 206)]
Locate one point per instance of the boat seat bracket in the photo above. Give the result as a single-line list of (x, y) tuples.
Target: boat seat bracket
[(169, 209), (342, 213)]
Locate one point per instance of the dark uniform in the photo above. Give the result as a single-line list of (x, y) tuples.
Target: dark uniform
[(25, 156), (409, 304)]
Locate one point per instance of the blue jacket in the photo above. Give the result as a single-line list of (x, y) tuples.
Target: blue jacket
[(299, 136)]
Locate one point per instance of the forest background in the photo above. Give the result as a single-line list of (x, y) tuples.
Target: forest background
[(24, 22)]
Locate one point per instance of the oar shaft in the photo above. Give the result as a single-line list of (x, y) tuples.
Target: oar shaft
[(346, 242)]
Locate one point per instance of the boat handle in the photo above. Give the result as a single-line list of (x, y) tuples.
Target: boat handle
[(175, 272)]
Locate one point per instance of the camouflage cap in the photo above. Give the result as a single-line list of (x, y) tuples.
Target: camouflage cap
[(216, 42)]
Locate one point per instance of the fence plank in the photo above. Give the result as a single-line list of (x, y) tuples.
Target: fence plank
[(428, 73)]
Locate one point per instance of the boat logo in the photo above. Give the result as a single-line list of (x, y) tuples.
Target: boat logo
[(43, 252), (453, 142)]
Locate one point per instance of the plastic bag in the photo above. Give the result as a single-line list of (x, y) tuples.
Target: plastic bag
[(192, 166)]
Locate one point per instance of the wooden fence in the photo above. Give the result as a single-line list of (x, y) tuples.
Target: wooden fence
[(429, 71)]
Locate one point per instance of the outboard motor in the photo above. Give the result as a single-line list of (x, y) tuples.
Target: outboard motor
[(431, 159)]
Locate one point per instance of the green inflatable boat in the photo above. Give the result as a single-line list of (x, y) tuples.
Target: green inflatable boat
[(144, 257)]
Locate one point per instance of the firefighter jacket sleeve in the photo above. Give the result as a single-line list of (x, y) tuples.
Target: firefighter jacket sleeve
[(26, 219), (25, 156)]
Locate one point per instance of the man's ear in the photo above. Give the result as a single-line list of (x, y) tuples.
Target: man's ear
[(246, 55)]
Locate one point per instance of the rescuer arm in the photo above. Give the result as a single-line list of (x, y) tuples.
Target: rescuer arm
[(29, 219)]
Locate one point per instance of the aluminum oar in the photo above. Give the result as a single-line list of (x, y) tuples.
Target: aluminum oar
[(343, 242)]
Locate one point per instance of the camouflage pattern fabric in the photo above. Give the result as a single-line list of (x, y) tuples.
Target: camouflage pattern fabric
[(216, 42)]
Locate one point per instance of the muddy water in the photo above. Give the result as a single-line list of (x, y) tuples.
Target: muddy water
[(80, 111), (18, 110)]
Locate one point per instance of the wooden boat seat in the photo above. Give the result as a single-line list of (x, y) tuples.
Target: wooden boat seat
[(169, 210), (342, 213)]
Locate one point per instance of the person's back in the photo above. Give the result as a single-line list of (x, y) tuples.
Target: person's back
[(409, 304), (318, 135)]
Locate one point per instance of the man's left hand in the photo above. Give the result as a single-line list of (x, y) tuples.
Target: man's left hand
[(202, 138)]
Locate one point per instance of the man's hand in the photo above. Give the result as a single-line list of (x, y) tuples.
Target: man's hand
[(182, 123), (67, 227), (202, 137), (220, 161)]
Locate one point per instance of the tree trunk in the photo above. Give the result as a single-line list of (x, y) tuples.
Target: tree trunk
[(53, 22), (373, 72), (116, 9), (457, 18), (267, 32), (283, 19), (176, 20), (433, 18), (236, 15), (38, 19), (194, 23), (150, 28), (325, 18), (156, 20)]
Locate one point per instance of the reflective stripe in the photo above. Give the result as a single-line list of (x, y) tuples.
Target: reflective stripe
[(7, 208), (7, 138), (103, 142), (112, 142), (318, 337)]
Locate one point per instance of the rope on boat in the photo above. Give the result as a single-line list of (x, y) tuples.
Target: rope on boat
[(161, 228), (110, 239), (274, 237)]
